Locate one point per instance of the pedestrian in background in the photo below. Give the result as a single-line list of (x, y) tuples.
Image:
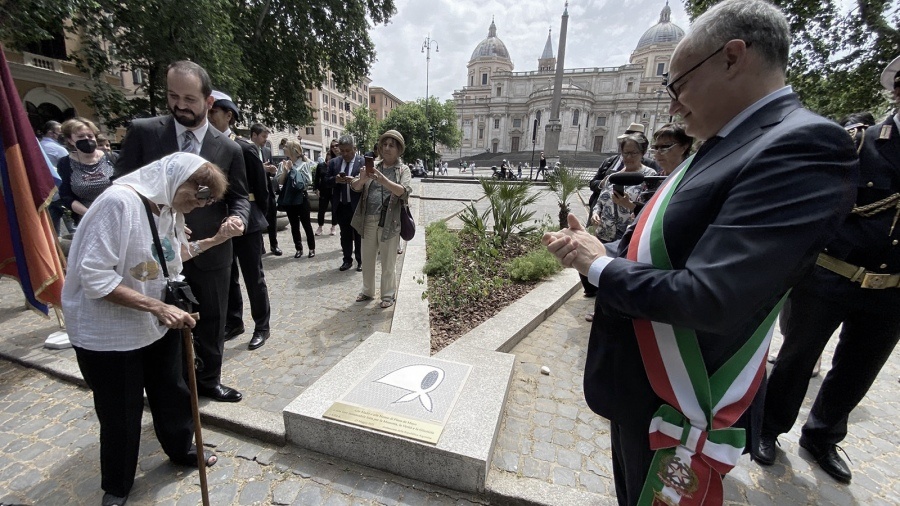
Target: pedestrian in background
[(294, 199), (85, 173)]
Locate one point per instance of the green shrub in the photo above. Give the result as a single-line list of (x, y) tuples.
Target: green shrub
[(535, 265), (440, 249)]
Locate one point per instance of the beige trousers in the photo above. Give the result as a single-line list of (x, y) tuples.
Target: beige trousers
[(373, 246)]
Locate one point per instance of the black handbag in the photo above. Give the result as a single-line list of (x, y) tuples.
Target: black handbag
[(178, 293), (407, 224)]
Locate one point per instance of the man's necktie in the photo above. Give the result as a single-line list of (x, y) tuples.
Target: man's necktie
[(345, 195), (187, 145), (705, 148)]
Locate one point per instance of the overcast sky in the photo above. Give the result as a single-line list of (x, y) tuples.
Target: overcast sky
[(601, 33)]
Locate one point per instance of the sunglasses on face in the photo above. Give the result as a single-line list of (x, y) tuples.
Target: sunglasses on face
[(662, 148), (203, 193)]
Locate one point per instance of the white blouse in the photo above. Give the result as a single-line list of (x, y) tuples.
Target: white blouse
[(113, 246)]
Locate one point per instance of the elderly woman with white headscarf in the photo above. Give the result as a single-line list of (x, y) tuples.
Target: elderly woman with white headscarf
[(116, 318)]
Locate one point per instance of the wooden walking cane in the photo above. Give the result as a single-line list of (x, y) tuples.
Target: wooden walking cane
[(188, 341)]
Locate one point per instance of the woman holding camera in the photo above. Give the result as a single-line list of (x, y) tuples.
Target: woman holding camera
[(295, 180), (119, 325), (385, 189), (614, 209)]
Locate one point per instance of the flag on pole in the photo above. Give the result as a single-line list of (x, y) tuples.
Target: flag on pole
[(28, 249)]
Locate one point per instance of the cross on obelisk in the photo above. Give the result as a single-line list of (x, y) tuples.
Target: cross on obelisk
[(554, 127)]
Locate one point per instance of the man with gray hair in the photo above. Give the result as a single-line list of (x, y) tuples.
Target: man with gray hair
[(341, 171), (676, 357)]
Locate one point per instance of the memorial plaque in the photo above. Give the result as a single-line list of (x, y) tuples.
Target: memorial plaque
[(405, 395)]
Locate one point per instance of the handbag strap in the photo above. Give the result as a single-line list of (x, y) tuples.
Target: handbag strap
[(159, 249)]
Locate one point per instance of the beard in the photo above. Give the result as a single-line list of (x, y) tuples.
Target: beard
[(187, 117)]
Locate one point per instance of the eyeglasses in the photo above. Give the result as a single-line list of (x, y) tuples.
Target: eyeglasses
[(662, 148), (203, 193), (670, 86), (631, 153)]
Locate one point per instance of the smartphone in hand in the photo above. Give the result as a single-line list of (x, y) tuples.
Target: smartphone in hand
[(619, 190), (370, 164)]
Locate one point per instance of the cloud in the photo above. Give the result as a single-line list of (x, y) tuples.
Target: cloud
[(601, 33)]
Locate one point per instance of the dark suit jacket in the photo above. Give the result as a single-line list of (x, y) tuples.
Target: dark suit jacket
[(257, 185), (150, 139), (334, 168), (743, 226)]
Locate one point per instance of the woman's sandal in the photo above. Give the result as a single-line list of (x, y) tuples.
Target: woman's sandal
[(190, 459), (386, 303), (363, 297)]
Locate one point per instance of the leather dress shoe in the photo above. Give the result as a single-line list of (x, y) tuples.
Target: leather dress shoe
[(276, 251), (764, 453), (829, 460), (345, 266), (220, 393), (358, 267), (298, 254), (113, 500), (258, 339), (232, 332)]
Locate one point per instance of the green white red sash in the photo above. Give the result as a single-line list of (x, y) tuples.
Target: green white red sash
[(692, 435)]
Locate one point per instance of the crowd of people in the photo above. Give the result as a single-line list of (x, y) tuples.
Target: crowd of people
[(691, 258)]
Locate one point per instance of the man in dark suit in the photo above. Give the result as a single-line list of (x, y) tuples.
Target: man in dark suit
[(344, 200), (248, 248), (259, 134), (856, 283), (679, 339), (187, 129)]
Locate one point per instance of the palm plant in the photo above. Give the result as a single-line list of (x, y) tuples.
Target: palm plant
[(565, 182), (509, 207)]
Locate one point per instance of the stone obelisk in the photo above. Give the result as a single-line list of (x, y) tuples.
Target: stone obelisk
[(554, 127)]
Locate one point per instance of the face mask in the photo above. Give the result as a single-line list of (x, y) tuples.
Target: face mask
[(87, 146)]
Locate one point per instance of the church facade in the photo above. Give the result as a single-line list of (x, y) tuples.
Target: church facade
[(498, 108)]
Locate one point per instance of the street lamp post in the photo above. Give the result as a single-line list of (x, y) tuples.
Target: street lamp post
[(426, 48), (577, 140)]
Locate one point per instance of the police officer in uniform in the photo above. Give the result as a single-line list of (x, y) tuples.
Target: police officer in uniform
[(856, 282)]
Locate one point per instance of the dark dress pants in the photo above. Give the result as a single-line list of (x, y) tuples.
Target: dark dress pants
[(271, 213), (324, 202), (350, 238), (211, 289), (871, 328), (248, 254), (298, 215), (118, 380)]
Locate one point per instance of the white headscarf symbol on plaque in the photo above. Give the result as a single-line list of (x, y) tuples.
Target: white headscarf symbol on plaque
[(418, 379)]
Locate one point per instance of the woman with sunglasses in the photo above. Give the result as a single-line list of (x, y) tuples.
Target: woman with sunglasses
[(671, 146), (126, 337)]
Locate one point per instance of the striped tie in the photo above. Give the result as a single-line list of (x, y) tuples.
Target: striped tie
[(187, 145)]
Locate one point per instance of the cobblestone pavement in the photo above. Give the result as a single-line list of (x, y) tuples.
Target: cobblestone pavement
[(51, 457), (550, 436)]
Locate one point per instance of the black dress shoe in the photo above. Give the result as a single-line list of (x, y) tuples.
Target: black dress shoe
[(345, 266), (298, 254), (258, 339), (232, 332), (829, 460), (276, 251), (220, 393), (764, 453), (113, 500), (358, 267)]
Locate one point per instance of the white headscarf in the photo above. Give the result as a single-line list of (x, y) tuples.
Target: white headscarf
[(158, 182)]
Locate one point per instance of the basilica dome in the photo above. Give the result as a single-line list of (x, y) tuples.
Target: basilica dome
[(664, 32), (491, 47)]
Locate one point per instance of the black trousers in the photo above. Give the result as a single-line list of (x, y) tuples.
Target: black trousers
[(350, 238), (271, 213), (631, 457), (297, 215), (118, 380), (324, 202), (211, 289), (871, 328), (248, 254)]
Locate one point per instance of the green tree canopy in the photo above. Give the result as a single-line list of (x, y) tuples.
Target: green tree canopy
[(264, 53), (364, 127), (411, 121), (836, 57)]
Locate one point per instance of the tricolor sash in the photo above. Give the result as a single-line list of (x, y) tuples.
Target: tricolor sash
[(691, 433)]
